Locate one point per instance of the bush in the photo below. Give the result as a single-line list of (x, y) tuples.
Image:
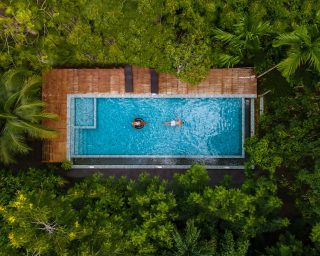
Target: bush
[(66, 165)]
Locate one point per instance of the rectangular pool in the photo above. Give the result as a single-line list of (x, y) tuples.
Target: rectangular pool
[(101, 127)]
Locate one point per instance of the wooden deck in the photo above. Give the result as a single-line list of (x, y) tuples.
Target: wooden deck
[(60, 82)]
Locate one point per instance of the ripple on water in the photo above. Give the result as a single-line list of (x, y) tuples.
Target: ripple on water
[(212, 127)]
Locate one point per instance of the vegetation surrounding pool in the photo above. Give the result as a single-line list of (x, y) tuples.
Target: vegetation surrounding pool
[(275, 211)]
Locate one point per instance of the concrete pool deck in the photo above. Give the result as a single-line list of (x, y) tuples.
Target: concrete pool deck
[(58, 83)]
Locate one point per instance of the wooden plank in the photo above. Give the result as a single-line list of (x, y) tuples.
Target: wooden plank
[(128, 76), (154, 81)]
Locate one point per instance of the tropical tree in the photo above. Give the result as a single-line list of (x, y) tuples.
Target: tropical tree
[(244, 42), (189, 244), (21, 113), (288, 151), (304, 49)]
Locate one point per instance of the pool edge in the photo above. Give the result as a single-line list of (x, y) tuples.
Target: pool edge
[(125, 167), (70, 97)]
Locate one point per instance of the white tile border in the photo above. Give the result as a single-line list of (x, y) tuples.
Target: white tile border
[(158, 156), (252, 120), (70, 128), (127, 95), (243, 126)]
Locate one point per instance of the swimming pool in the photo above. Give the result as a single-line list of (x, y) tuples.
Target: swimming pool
[(101, 127)]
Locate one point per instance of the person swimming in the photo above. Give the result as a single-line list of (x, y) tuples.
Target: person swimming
[(177, 122), (138, 123)]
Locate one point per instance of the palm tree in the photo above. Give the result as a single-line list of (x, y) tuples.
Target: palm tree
[(21, 113), (189, 244), (231, 246), (304, 48), (246, 39)]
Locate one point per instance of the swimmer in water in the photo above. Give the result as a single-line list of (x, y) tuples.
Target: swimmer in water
[(178, 122), (138, 122)]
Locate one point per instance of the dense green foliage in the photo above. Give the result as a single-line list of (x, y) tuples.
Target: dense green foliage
[(41, 214), (124, 217), (304, 49), (274, 212), (21, 113), (183, 37), (287, 150)]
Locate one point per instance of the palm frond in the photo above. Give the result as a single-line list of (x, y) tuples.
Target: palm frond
[(228, 61), (241, 26), (33, 105), (289, 65), (35, 130), (30, 88), (10, 102), (304, 35), (304, 48), (192, 234), (6, 156), (12, 80), (314, 58), (225, 37), (247, 37), (18, 143), (7, 150), (181, 246), (22, 112), (261, 29), (45, 116), (190, 243), (250, 27), (7, 116), (229, 246), (286, 39)]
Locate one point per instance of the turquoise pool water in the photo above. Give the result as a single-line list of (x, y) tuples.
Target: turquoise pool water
[(102, 126)]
